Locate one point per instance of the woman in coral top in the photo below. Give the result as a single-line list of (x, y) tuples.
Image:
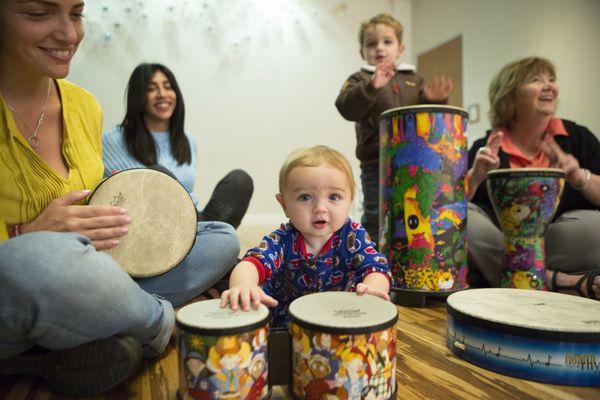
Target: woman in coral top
[(526, 133)]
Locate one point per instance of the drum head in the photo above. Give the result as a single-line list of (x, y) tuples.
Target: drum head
[(532, 313), (343, 313), (208, 318), (164, 220)]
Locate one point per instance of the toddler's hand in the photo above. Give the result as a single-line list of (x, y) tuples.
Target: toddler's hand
[(248, 295), (384, 72), (439, 89), (363, 288)]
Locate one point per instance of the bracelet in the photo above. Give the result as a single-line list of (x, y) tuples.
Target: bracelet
[(15, 230), (588, 174)]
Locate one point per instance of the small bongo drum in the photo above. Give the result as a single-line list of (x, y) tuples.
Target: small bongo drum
[(222, 353), (164, 220), (422, 200), (343, 345), (535, 335), (524, 201)]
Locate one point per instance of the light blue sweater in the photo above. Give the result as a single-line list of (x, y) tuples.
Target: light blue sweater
[(116, 157)]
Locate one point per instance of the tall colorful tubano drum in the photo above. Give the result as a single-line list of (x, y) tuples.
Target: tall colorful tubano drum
[(344, 347), (222, 353), (422, 200), (525, 201)]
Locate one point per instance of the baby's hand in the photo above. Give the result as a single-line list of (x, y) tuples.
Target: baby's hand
[(363, 288), (439, 89), (249, 295), (384, 72)]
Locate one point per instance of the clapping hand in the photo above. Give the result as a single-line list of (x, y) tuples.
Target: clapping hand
[(384, 72), (575, 175), (439, 90)]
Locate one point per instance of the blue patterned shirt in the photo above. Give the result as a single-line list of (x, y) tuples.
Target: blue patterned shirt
[(287, 271)]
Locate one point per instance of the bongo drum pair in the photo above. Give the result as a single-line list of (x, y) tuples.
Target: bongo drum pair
[(525, 201), (164, 220), (536, 335), (422, 200), (342, 346)]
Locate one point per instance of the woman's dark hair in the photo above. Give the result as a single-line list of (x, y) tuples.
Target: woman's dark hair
[(140, 142)]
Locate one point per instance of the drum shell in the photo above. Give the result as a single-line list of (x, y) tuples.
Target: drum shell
[(339, 360), (525, 199), (228, 363), (423, 204)]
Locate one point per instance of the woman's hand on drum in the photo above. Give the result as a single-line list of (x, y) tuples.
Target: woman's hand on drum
[(384, 72), (439, 89), (486, 160), (103, 225), (248, 296), (575, 175)]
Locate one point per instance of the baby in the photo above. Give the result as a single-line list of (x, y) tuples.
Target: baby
[(320, 249)]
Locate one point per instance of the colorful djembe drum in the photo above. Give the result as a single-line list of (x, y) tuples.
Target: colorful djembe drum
[(344, 347), (222, 353), (525, 201), (422, 200)]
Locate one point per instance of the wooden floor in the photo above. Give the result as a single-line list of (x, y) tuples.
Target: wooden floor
[(426, 370)]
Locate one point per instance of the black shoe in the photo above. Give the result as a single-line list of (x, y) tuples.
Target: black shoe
[(230, 199), (83, 371)]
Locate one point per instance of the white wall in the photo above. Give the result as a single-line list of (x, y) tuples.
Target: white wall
[(495, 32), (259, 77)]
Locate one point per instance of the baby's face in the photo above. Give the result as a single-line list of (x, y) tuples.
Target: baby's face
[(380, 44), (317, 200)]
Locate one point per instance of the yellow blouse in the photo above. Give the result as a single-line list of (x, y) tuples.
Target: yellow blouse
[(27, 183)]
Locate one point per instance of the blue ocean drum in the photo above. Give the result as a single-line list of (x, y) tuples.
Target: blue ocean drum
[(535, 335)]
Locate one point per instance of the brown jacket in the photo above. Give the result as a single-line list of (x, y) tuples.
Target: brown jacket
[(359, 101)]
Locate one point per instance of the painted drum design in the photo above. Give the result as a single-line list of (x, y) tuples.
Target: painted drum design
[(343, 346), (535, 335), (423, 205), (525, 201), (222, 353), (164, 220)]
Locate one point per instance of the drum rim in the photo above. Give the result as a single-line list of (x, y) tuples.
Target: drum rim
[(302, 321), (138, 275), (185, 328), (425, 108), (343, 330), (516, 330), (557, 172)]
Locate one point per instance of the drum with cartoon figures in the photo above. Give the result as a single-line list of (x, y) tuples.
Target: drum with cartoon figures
[(536, 335), (422, 200), (343, 346), (164, 220), (222, 353), (525, 201)]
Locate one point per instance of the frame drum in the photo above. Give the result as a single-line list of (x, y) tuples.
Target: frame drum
[(164, 220), (530, 334), (222, 353), (343, 345)]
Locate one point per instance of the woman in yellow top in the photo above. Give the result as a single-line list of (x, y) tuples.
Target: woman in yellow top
[(68, 312)]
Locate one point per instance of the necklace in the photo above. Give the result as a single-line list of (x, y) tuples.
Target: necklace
[(33, 139)]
